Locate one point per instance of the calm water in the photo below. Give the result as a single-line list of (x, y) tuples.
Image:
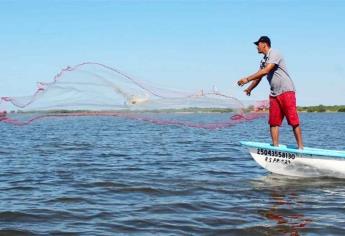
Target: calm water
[(111, 176)]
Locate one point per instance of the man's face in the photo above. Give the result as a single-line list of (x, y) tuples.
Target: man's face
[(260, 47)]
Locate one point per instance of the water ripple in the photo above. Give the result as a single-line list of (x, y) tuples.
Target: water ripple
[(94, 176)]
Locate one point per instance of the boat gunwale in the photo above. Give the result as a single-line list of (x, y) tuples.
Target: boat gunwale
[(306, 151)]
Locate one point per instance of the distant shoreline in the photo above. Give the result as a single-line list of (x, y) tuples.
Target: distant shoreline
[(322, 108), (307, 109)]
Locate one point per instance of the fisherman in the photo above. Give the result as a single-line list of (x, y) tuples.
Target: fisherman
[(282, 98)]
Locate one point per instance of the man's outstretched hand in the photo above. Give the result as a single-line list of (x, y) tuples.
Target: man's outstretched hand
[(247, 91), (242, 81)]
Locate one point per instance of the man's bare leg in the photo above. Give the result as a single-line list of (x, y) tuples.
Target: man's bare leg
[(275, 135), (298, 135)]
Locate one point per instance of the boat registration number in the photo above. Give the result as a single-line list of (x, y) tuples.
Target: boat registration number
[(274, 156)]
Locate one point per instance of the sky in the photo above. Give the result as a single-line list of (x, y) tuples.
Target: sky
[(186, 45)]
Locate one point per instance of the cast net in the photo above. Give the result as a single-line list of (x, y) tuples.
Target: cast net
[(94, 89)]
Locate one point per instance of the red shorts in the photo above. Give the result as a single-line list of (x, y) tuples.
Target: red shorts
[(283, 105)]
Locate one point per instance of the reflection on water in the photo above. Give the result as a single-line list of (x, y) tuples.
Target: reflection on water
[(282, 212), (287, 205)]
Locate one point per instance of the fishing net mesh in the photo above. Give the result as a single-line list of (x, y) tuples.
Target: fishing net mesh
[(94, 89)]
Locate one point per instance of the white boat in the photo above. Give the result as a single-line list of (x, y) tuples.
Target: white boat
[(288, 160)]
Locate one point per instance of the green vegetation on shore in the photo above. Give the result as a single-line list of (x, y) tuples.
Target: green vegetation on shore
[(322, 108)]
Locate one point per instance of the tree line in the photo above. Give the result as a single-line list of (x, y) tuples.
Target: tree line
[(322, 108)]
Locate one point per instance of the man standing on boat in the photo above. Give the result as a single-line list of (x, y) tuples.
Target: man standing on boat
[(282, 97)]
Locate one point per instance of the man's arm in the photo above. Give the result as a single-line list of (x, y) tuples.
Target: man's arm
[(252, 86), (258, 75)]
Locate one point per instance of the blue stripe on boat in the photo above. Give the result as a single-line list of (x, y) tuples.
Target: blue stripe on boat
[(293, 149)]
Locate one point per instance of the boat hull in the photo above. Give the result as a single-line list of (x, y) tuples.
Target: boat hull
[(294, 162)]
